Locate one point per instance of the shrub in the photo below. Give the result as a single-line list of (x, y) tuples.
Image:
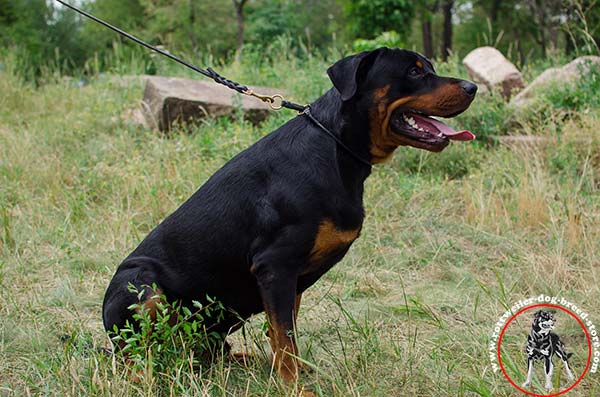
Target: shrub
[(386, 39), (161, 344)]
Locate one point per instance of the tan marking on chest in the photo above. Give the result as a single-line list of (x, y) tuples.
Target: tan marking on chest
[(329, 239)]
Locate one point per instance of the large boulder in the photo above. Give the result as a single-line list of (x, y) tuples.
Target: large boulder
[(169, 100), (488, 67), (567, 74)]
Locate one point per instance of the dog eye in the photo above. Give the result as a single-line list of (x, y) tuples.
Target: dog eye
[(415, 72)]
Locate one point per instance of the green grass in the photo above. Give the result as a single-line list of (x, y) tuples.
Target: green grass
[(449, 241)]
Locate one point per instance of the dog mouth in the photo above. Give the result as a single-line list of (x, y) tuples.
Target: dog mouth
[(425, 132), (546, 326)]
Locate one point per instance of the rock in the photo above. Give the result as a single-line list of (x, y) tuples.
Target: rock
[(169, 100), (135, 116), (582, 65), (487, 66), (563, 75), (482, 89)]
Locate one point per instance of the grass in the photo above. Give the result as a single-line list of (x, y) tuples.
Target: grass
[(449, 242)]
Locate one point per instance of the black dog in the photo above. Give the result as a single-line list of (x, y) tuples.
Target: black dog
[(280, 214), (542, 344)]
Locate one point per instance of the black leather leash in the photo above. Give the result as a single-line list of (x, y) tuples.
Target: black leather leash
[(275, 102)]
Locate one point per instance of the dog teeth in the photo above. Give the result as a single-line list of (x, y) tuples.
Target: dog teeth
[(411, 121), (440, 135)]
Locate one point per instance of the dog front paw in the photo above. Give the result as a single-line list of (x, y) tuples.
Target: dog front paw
[(548, 386), (526, 383)]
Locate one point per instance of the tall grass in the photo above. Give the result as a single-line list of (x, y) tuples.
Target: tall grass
[(449, 241)]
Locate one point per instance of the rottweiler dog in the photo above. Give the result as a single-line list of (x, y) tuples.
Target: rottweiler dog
[(277, 216), (543, 344)]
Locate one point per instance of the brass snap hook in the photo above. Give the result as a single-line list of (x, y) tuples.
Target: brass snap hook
[(275, 102)]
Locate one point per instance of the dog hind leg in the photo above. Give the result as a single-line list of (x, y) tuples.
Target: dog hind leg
[(564, 357), (549, 369), (119, 298)]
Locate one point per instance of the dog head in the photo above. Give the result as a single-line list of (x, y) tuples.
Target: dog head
[(401, 91), (543, 322)]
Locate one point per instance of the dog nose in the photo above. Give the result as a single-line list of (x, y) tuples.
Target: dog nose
[(469, 87)]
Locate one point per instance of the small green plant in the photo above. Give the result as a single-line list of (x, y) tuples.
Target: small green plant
[(389, 39), (170, 338), (565, 100), (581, 96)]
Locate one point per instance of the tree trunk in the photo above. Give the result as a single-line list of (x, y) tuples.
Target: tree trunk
[(239, 13), (569, 47), (539, 16), (192, 21), (427, 38), (494, 11), (447, 34)]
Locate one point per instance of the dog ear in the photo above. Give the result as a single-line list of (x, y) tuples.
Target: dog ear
[(345, 73), (538, 314)]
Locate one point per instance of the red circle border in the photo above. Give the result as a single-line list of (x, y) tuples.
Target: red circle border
[(587, 335)]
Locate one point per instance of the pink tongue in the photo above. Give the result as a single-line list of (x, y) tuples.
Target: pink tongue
[(444, 129)]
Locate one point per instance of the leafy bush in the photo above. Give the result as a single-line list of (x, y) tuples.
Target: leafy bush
[(386, 39), (581, 96), (369, 18), (175, 337), (560, 101)]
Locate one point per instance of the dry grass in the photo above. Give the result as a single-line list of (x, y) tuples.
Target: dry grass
[(408, 312)]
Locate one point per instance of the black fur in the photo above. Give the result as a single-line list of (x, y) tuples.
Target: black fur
[(245, 237)]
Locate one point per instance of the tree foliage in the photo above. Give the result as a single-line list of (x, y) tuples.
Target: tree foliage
[(370, 18), (42, 31), (39, 33)]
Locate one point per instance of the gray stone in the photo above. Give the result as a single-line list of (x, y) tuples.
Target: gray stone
[(582, 65), (565, 75), (169, 101), (487, 66), (135, 116)]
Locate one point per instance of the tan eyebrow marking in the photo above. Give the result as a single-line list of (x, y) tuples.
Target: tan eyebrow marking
[(420, 64)]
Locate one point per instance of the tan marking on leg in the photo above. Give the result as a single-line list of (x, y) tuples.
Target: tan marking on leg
[(150, 305), (297, 307), (284, 349)]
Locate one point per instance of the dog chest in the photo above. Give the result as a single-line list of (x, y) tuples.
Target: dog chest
[(330, 240)]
